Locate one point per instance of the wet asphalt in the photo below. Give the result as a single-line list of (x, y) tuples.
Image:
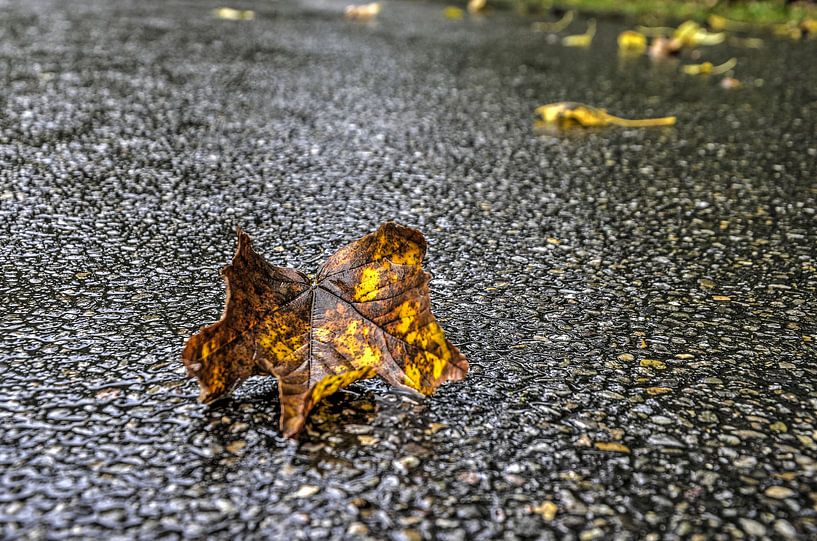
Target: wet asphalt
[(638, 306)]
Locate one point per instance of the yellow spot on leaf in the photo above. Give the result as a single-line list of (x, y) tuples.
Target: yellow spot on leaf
[(408, 314), (367, 288)]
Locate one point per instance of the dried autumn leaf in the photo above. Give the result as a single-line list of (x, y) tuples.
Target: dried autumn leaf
[(567, 113), (366, 313)]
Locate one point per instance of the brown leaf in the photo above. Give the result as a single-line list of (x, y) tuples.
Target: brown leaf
[(366, 313)]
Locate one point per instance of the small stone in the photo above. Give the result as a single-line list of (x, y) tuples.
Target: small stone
[(306, 491), (653, 363), (405, 464), (547, 510), (625, 357), (779, 427), (655, 391), (591, 534), (433, 428), (367, 440), (752, 527), (664, 440), (721, 298), (745, 462), (611, 447), (358, 429), (357, 528), (784, 528), (778, 492), (226, 507), (236, 446), (409, 535)]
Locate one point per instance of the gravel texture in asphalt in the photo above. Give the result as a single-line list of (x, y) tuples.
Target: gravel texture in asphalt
[(638, 306)]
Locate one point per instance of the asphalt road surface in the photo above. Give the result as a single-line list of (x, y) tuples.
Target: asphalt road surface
[(638, 306)]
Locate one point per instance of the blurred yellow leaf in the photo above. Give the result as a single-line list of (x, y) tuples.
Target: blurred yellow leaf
[(730, 83), (231, 14), (581, 40), (475, 6), (453, 13), (567, 113), (788, 30), (707, 68), (362, 12), (557, 26), (631, 41), (690, 34), (809, 26), (720, 23), (750, 43), (655, 31)]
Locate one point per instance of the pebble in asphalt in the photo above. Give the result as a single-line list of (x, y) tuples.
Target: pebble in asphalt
[(638, 305)]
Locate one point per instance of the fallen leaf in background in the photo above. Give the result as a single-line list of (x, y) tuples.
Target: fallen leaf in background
[(475, 6), (809, 26), (749, 43), (453, 13), (362, 12), (632, 42), (581, 40), (557, 26), (707, 68), (719, 23), (788, 30), (690, 34), (730, 83), (366, 313), (567, 113), (231, 14), (655, 31), (662, 47)]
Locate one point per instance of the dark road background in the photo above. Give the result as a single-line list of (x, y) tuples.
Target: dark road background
[(638, 306)]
